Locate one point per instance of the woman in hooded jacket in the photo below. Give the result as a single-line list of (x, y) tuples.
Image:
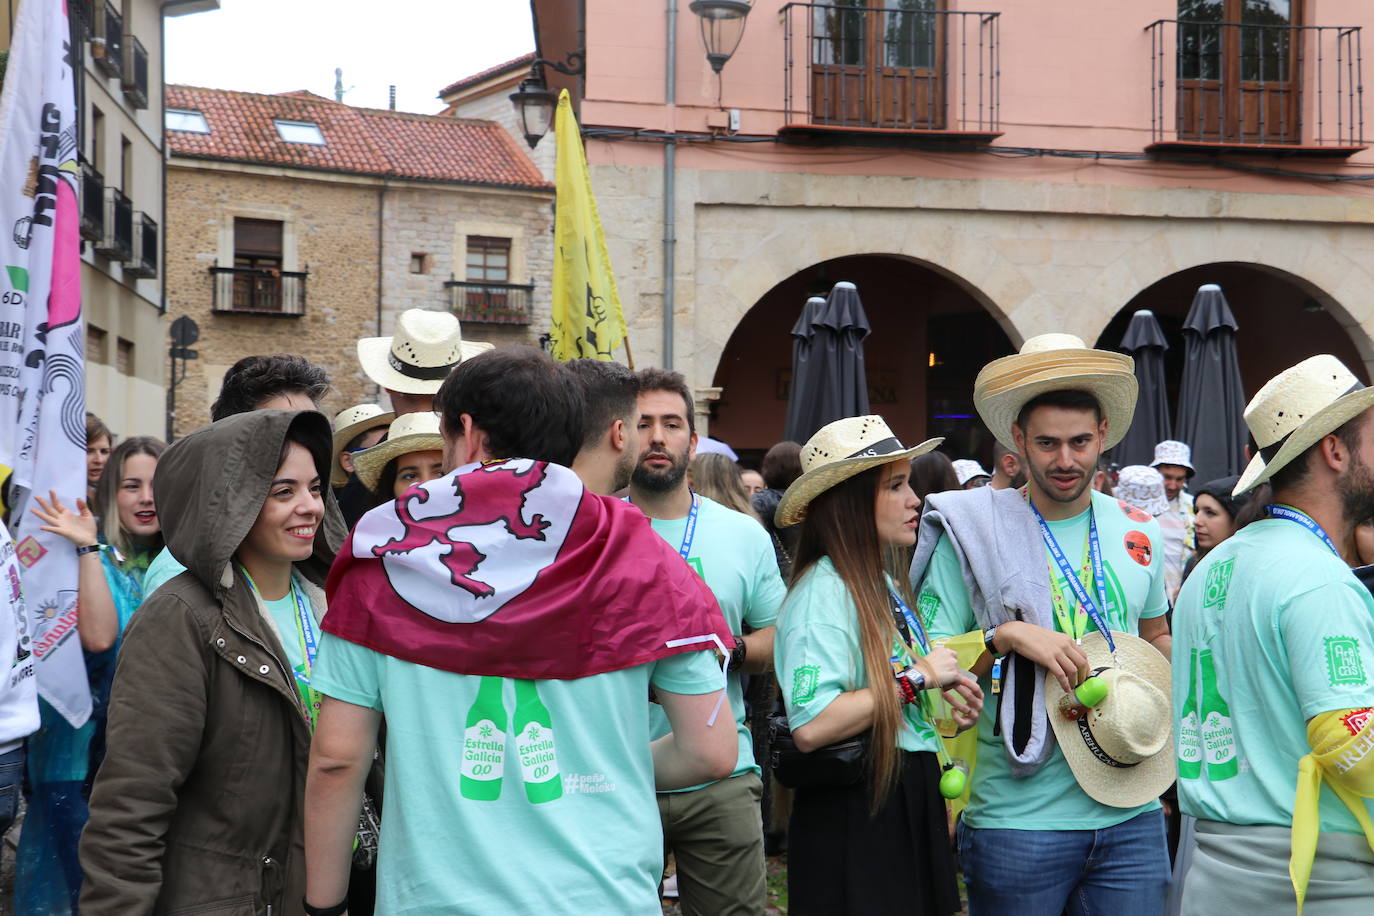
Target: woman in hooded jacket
[(198, 805)]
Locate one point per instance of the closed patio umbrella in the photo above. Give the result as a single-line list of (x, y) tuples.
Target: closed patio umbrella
[(828, 378), (1144, 340), (1211, 401)]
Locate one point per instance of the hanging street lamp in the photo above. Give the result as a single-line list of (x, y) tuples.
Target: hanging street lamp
[(722, 27), (534, 103)]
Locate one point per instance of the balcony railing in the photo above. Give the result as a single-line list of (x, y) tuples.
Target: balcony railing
[(85, 17), (1232, 84), (492, 303), (258, 291), (135, 77), (144, 260), (92, 202), (117, 241), (107, 47), (852, 68)]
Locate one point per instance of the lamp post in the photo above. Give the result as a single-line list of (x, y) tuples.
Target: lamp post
[(722, 27), (534, 103)]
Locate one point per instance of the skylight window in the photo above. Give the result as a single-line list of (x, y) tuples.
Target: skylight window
[(299, 132), (192, 122)]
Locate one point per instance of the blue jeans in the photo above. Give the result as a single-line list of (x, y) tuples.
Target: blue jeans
[(1121, 870)]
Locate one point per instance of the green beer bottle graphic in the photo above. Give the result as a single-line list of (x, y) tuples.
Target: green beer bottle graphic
[(534, 743), (1190, 728), (1218, 737), (484, 743)]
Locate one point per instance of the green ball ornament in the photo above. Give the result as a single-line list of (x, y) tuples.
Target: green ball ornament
[(1092, 691), (953, 781)]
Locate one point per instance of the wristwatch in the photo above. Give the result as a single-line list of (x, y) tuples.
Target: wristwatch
[(989, 636)]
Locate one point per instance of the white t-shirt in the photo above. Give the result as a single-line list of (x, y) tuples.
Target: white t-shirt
[(19, 690)]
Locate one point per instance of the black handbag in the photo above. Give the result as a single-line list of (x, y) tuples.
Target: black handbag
[(834, 766)]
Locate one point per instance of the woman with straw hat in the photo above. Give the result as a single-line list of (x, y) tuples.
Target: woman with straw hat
[(411, 454), (853, 660)]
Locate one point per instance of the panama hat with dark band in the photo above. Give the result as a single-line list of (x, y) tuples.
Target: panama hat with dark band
[(350, 423), (1056, 362), (1295, 409), (411, 432), (426, 347), (837, 452)]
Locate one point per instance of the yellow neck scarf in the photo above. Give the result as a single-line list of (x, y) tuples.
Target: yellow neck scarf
[(1342, 745)]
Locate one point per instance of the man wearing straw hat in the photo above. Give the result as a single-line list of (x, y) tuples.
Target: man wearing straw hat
[(1063, 812), (411, 364), (1273, 687)]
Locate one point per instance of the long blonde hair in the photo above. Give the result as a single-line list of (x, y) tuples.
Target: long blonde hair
[(105, 506), (717, 477), (841, 524)]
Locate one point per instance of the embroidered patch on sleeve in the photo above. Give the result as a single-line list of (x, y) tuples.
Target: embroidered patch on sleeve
[(1218, 584), (929, 606), (805, 680), (1344, 667)]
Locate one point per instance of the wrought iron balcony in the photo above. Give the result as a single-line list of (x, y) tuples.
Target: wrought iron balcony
[(490, 303), (135, 77), (258, 291), (84, 11), (107, 47), (1234, 85), (92, 202), (117, 241), (144, 260), (911, 71)]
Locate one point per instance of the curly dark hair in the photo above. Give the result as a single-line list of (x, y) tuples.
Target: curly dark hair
[(528, 405), (667, 380), (255, 379)]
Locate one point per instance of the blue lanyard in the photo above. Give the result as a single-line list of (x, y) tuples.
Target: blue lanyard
[(913, 623), (1302, 518), (1071, 576), (305, 623), (690, 533)]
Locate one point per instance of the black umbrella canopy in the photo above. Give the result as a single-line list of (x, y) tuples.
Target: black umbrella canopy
[(1211, 401), (828, 378), (1144, 340)]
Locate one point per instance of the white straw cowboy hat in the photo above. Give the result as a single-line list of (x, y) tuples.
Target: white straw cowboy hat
[(1121, 751), (1056, 362), (1295, 409), (1171, 451), (410, 432), (836, 453), (350, 423), (426, 347)]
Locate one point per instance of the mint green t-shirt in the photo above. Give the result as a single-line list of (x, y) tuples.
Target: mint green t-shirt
[(1271, 629), (817, 655), (734, 554), (1050, 798), (506, 796), (284, 612), (163, 569)]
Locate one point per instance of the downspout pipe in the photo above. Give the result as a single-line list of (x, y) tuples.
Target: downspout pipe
[(670, 188)]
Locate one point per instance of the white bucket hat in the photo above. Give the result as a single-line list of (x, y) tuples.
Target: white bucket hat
[(426, 347), (1295, 409), (967, 469), (410, 432), (1171, 451), (1120, 751), (350, 423), (837, 452), (1056, 362), (1143, 488)]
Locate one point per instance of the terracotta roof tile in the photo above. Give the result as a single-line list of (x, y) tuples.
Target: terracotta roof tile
[(518, 63), (363, 141)]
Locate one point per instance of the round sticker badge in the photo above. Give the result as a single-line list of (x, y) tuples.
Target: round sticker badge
[(1134, 514), (1138, 546)]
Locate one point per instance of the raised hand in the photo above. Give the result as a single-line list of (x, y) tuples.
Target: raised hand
[(77, 527)]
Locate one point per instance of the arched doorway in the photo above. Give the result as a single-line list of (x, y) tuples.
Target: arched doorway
[(1282, 318), (931, 335)]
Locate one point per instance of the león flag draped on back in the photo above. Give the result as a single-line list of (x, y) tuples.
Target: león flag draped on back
[(587, 319), (514, 569)]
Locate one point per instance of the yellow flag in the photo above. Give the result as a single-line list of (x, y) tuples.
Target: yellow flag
[(587, 318)]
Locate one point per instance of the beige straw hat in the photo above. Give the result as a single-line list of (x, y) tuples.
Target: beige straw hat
[(836, 453), (410, 432), (1295, 409), (1122, 750), (426, 347), (1056, 362), (350, 423)]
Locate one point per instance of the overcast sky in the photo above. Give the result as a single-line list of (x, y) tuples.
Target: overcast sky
[(279, 45)]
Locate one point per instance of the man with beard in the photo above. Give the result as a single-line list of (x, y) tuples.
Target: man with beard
[(714, 830), (610, 424), (1276, 647), (1036, 570)]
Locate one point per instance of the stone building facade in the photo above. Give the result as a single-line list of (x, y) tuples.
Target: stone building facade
[(304, 245)]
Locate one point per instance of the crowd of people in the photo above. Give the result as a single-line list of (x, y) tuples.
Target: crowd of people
[(513, 644)]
